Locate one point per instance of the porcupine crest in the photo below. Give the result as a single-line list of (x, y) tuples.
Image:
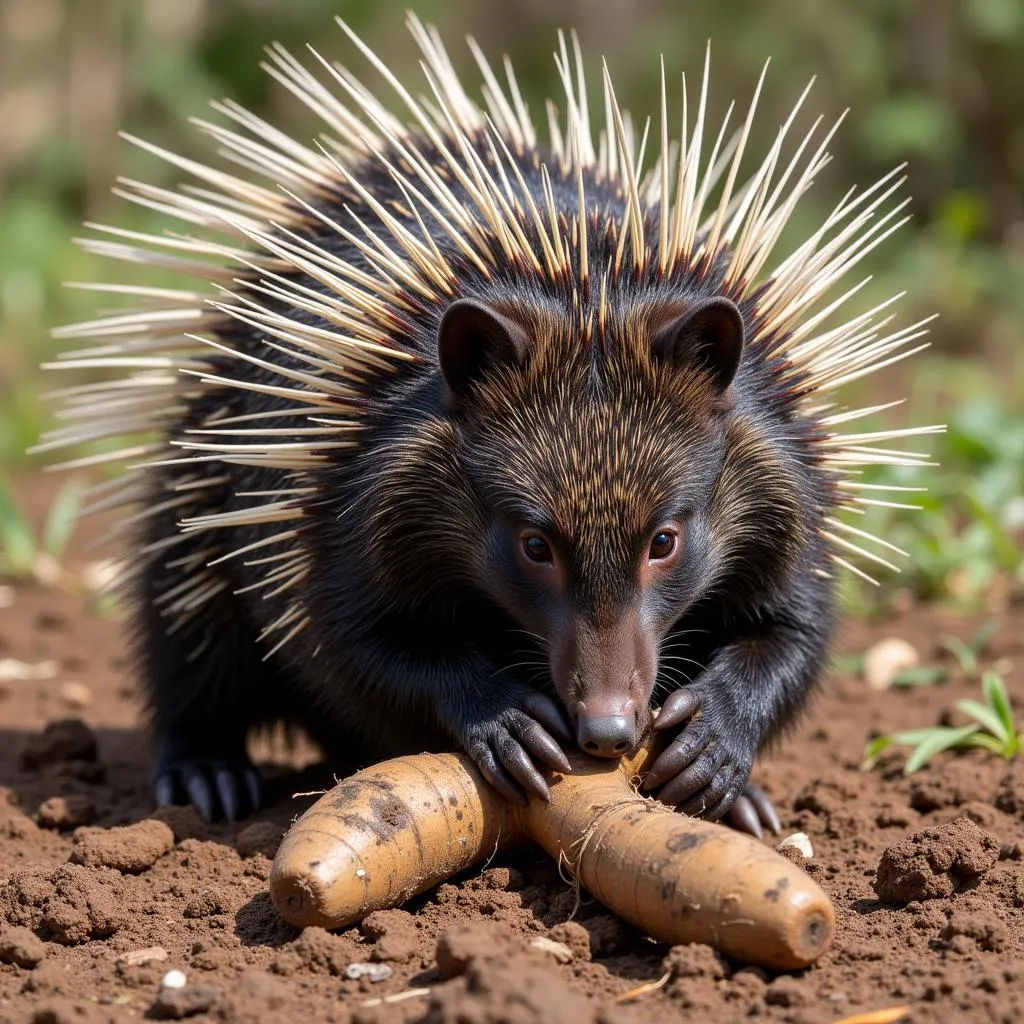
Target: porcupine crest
[(467, 212)]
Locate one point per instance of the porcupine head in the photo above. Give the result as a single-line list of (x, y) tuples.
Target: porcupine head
[(589, 481)]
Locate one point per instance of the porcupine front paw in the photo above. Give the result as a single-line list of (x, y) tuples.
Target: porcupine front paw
[(506, 743), (705, 769), (221, 785)]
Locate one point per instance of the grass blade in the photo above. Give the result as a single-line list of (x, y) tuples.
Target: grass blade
[(17, 541), (940, 738), (61, 518), (987, 717), (996, 698)]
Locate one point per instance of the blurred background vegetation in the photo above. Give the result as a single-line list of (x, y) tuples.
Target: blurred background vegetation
[(936, 83)]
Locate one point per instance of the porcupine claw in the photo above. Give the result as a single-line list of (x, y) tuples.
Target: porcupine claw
[(217, 787), (753, 812)]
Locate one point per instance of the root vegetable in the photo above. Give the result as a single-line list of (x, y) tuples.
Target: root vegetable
[(402, 826)]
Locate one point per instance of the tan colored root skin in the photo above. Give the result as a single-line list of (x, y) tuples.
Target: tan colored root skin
[(385, 834), (402, 826)]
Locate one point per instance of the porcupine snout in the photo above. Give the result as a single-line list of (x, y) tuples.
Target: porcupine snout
[(606, 735), (604, 673)]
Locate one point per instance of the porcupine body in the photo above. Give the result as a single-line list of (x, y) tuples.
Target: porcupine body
[(482, 444)]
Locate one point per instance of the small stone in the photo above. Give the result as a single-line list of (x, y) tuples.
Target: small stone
[(12, 670), (374, 972), (75, 696), (21, 946), (799, 841), (887, 659), (559, 950), (151, 954), (66, 812), (174, 979)]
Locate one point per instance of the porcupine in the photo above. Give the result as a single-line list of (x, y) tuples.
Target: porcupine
[(485, 444)]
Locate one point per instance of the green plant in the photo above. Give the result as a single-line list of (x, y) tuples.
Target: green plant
[(968, 653), (967, 526), (26, 554), (993, 728)]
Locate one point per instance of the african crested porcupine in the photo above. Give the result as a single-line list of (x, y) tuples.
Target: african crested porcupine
[(474, 442)]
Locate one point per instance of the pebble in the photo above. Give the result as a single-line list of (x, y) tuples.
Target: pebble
[(375, 972), (798, 841), (11, 670), (150, 954), (559, 950), (75, 695), (173, 979), (886, 659)]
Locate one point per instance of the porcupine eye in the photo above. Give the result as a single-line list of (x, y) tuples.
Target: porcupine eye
[(662, 546), (536, 548)]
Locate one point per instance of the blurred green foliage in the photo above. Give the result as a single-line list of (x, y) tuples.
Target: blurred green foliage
[(936, 83)]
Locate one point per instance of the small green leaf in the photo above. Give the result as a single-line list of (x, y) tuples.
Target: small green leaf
[(987, 717), (980, 640), (60, 520), (995, 696), (941, 738), (983, 739), (922, 675), (848, 664), (872, 750), (911, 737), (963, 654), (17, 542)]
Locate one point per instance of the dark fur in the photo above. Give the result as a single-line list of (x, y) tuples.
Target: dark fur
[(417, 617)]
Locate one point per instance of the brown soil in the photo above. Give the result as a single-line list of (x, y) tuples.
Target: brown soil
[(100, 897)]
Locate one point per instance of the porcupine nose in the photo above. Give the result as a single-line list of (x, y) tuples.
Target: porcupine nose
[(606, 736)]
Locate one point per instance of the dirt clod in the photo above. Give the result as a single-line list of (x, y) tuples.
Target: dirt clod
[(508, 992), (486, 941), (21, 947), (66, 812), (177, 1003), (259, 837), (694, 961), (67, 740), (393, 933), (70, 905), (935, 862), (130, 850), (573, 935), (69, 1011)]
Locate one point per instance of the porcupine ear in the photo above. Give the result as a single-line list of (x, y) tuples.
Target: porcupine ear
[(472, 339), (711, 330)]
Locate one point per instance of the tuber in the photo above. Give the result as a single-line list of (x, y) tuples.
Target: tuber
[(396, 829)]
